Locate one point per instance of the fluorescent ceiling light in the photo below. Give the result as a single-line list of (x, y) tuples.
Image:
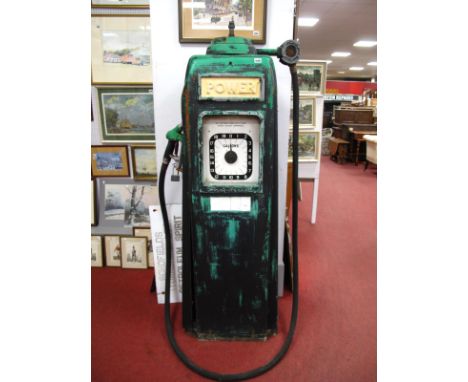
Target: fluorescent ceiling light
[(341, 72), (356, 68), (341, 54), (372, 63), (365, 44), (307, 21), (328, 61)]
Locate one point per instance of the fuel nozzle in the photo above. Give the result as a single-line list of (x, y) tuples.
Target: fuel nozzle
[(288, 52)]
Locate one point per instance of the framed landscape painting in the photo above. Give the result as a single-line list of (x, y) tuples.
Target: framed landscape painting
[(127, 114), (308, 145), (306, 112), (121, 50), (125, 203), (144, 162), (203, 20), (109, 161), (134, 252), (312, 77)]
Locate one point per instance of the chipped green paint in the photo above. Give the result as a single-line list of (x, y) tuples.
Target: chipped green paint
[(240, 298), (232, 233)]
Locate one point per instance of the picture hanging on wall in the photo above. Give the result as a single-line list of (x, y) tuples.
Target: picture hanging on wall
[(146, 232), (144, 162), (94, 218), (204, 20), (121, 50), (120, 3), (308, 145), (109, 161), (125, 203), (134, 252), (127, 114), (96, 251), (312, 77), (112, 250), (306, 112)]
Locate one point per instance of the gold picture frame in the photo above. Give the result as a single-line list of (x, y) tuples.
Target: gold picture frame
[(97, 259), (308, 146), (144, 162), (121, 50), (146, 232), (109, 161), (312, 77), (201, 23), (112, 250)]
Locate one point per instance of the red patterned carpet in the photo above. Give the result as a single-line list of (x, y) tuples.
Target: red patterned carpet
[(335, 339)]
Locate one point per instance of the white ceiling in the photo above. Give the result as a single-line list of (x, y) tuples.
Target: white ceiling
[(342, 23)]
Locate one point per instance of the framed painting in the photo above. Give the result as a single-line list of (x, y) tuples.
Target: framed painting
[(127, 114), (121, 50), (146, 232), (134, 252), (109, 161), (204, 20), (120, 3), (144, 162), (308, 145), (307, 108), (94, 217), (96, 251), (312, 76), (112, 250), (125, 203)]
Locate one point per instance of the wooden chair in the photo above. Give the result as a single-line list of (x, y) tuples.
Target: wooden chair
[(338, 149)]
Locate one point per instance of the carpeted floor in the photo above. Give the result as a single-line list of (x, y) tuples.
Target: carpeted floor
[(335, 339)]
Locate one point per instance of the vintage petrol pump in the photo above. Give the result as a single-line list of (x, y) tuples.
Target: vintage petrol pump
[(230, 184)]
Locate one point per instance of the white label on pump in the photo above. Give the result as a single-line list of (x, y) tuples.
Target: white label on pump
[(257, 60), (230, 203)]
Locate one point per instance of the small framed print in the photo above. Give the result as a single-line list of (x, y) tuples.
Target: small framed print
[(204, 20), (112, 250), (146, 232), (120, 3), (312, 76), (307, 108), (94, 215), (109, 161), (96, 251), (308, 145), (127, 114), (121, 50), (134, 252), (144, 162)]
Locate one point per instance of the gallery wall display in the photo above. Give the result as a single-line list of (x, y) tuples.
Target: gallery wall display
[(134, 252), (146, 232), (120, 3), (307, 107), (112, 250), (121, 50), (144, 162), (109, 161), (124, 203), (312, 77), (94, 217), (96, 251), (203, 20), (308, 145), (127, 114)]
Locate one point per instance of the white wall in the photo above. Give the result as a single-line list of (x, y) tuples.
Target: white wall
[(169, 63)]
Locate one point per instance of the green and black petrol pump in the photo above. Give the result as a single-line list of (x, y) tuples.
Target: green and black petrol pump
[(230, 184)]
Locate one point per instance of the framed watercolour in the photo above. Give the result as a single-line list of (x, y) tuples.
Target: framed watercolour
[(125, 203), (146, 232), (121, 50), (109, 161), (134, 252), (308, 145), (312, 77), (127, 114), (144, 162), (112, 250), (94, 218), (120, 3), (203, 20), (307, 107), (96, 251)]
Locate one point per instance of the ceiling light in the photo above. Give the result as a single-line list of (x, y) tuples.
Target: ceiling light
[(307, 21), (328, 61), (356, 68), (372, 63), (341, 72), (365, 44), (341, 54)]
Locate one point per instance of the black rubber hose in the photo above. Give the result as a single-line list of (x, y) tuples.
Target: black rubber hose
[(167, 307)]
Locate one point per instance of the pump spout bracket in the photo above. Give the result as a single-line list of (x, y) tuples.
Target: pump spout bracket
[(288, 52)]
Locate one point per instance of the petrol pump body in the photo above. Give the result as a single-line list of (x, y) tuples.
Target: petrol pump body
[(230, 182)]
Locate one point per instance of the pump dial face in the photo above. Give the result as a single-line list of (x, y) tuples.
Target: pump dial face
[(231, 156)]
